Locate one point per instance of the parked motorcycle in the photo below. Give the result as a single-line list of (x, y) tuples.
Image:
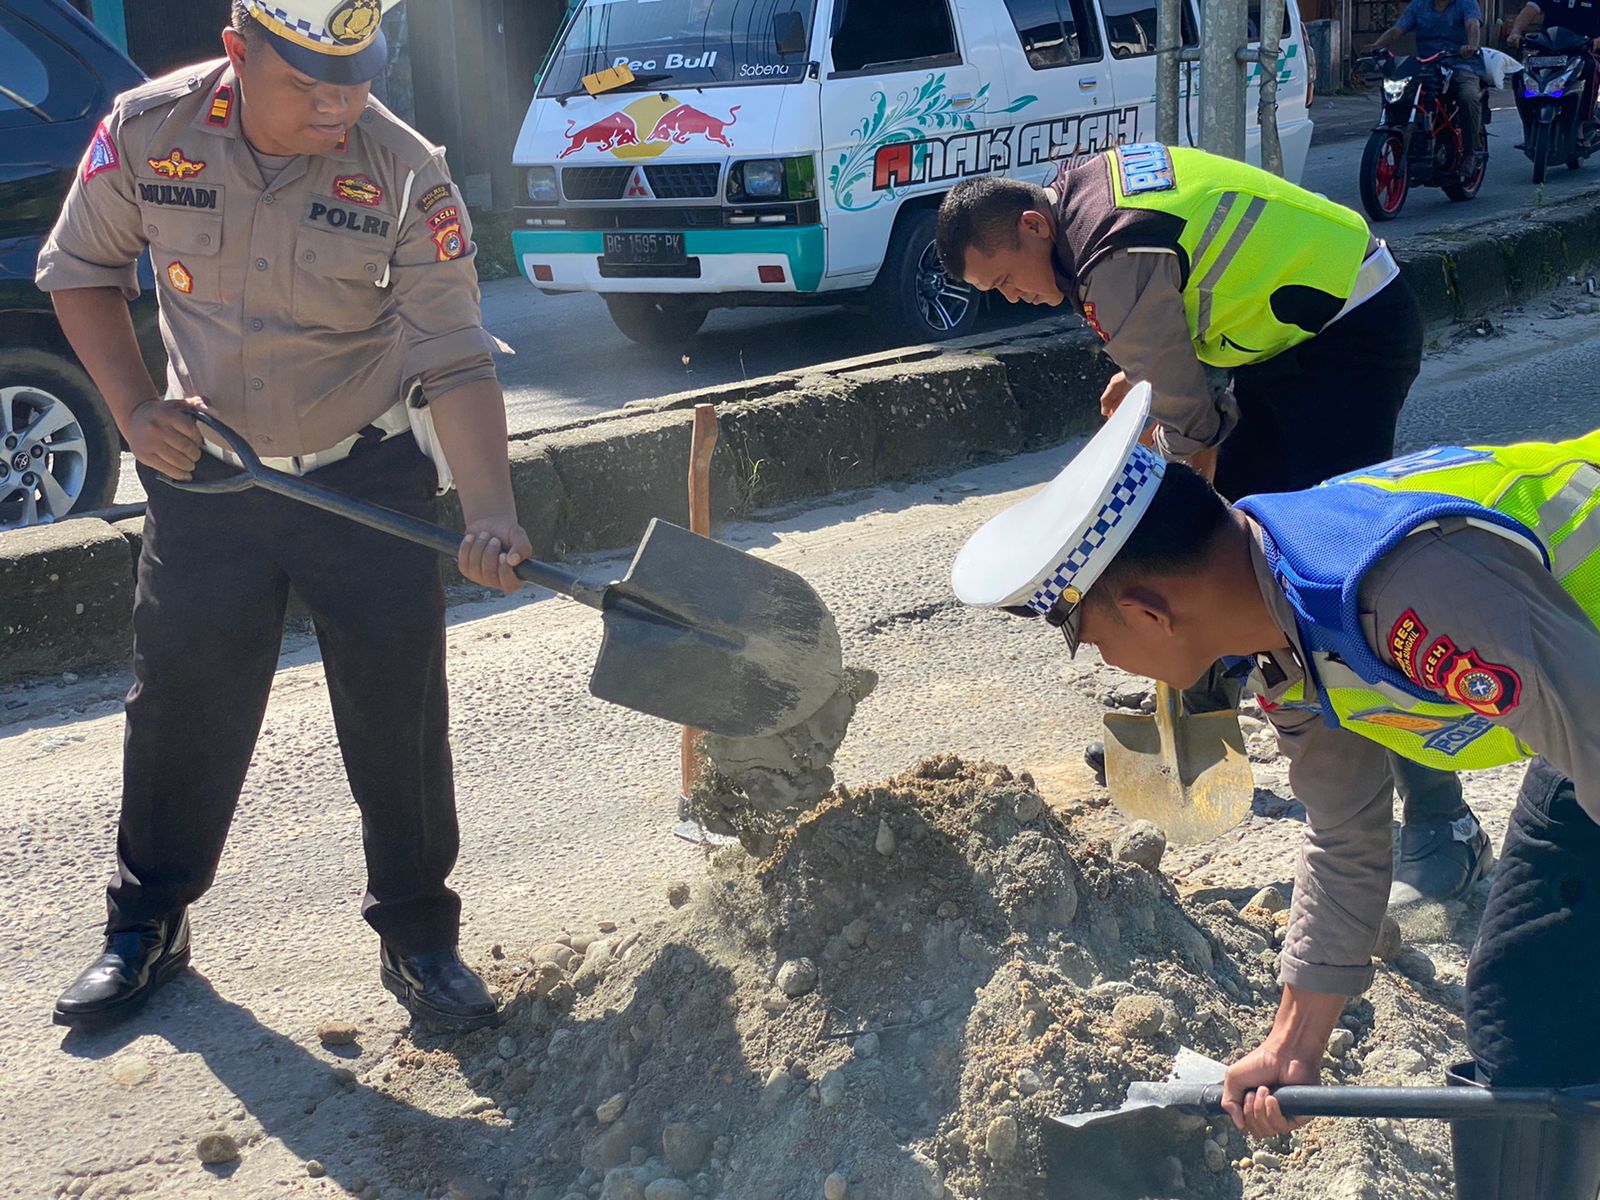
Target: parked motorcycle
[(1417, 141), (1552, 98)]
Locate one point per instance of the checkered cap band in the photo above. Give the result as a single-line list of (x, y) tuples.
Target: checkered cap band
[(1143, 469), (306, 29)]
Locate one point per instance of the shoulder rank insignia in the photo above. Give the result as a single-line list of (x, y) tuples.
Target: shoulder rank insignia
[(221, 107)]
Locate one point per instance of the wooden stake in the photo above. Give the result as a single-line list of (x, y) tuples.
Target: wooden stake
[(702, 442)]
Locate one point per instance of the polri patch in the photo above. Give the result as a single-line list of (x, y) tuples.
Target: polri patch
[(1491, 689), (102, 155), (449, 241), (1405, 639), (1441, 652), (1146, 167), (330, 213), (358, 189), (438, 192), (180, 279), (221, 107)]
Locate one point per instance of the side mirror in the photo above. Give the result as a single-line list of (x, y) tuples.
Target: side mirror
[(789, 33)]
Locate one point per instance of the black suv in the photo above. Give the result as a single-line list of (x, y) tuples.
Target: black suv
[(61, 450)]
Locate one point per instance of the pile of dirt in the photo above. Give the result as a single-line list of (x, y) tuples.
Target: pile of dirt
[(890, 1005)]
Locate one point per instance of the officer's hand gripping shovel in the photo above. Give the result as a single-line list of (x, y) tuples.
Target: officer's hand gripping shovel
[(1187, 773), (697, 633), (1116, 1155)]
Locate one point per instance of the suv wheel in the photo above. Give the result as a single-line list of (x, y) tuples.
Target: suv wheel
[(660, 322), (59, 450), (914, 295)]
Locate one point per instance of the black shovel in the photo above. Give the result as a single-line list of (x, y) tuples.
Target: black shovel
[(1111, 1155), (697, 633)]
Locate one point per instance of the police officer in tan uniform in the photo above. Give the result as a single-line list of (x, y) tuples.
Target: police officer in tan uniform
[(318, 293)]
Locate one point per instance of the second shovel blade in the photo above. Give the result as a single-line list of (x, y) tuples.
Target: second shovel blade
[(1211, 791)]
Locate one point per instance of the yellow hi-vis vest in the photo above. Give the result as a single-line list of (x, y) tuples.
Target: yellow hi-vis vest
[(1321, 542), (1260, 251)]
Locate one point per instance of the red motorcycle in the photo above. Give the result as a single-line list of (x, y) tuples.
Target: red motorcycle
[(1417, 141)]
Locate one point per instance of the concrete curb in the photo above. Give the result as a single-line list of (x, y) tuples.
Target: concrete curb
[(65, 591)]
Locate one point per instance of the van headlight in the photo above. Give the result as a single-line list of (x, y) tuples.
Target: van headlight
[(1393, 89), (773, 179), (542, 185)]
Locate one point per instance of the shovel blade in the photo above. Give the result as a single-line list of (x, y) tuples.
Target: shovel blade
[(703, 635), (1209, 792)]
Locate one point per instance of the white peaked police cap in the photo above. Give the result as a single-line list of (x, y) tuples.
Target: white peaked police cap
[(336, 41), (1058, 541)]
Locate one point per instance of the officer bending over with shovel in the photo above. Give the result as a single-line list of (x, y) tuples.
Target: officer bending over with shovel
[(1277, 334), (1444, 606)]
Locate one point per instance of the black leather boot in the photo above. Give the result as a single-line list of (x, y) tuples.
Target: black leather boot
[(1522, 1158), (135, 963), (439, 989)]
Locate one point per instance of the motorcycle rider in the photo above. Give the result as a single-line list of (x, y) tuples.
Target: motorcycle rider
[(1579, 16), (1453, 28)]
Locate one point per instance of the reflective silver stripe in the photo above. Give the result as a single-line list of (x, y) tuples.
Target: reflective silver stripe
[(1230, 250), (1557, 511), (1578, 546), (1214, 226)]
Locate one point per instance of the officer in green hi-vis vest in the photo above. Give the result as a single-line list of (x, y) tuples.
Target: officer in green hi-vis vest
[(1444, 606), (1279, 339)]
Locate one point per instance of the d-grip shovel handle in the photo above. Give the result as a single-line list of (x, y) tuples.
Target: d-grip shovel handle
[(1424, 1103), (253, 473)]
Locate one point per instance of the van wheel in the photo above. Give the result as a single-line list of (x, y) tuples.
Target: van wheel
[(59, 448), (660, 322), (918, 301)]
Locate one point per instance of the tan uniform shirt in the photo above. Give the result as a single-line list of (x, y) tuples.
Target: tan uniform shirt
[(300, 307), (1485, 594)]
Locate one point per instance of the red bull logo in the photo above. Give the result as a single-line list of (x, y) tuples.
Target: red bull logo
[(605, 134), (670, 123), (686, 121)]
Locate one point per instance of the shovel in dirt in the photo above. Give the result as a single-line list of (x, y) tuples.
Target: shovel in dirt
[(697, 633), (1115, 1155), (1187, 773)]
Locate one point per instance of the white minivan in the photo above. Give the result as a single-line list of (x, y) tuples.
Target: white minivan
[(795, 151)]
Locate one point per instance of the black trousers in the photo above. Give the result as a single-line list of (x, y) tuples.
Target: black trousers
[(1533, 985), (1327, 406), (213, 581)]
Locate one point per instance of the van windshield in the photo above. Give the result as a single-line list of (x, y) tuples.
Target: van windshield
[(683, 43)]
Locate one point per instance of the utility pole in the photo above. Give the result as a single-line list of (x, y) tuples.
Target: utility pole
[(1224, 49), (1271, 28), (1169, 51)]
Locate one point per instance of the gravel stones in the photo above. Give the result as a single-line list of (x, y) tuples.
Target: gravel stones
[(1141, 843), (1027, 1081), (668, 1189), (775, 1089), (1215, 1156), (884, 843), (214, 1149), (1001, 1139), (337, 1033), (1341, 1042), (855, 933), (831, 1089), (1141, 1017), (1415, 965), (867, 1046), (835, 1187), (611, 1108), (315, 1169), (507, 1048), (686, 1146), (678, 895), (470, 1187), (1269, 900), (797, 977), (1390, 942)]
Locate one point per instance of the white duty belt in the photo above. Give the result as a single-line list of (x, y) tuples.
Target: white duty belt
[(392, 422), (1377, 272)]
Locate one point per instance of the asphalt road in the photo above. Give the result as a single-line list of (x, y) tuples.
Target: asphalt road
[(566, 807)]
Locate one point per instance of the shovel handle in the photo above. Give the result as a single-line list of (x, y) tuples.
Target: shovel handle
[(1426, 1103), (374, 516), (1169, 708)]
